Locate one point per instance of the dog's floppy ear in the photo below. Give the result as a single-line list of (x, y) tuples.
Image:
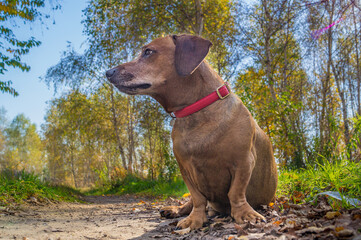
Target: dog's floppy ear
[(189, 53)]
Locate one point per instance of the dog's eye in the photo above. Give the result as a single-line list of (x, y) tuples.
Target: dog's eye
[(148, 52)]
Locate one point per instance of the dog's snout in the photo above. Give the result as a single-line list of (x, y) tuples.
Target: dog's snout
[(110, 72)]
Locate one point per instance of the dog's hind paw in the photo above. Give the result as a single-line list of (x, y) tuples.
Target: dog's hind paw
[(246, 213), (169, 212)]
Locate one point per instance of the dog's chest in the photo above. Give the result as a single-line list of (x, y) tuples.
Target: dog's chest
[(206, 167), (194, 143)]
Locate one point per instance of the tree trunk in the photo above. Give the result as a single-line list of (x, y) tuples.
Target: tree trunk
[(344, 110), (73, 166), (199, 17), (358, 67), (151, 152), (324, 121), (130, 133), (116, 128)]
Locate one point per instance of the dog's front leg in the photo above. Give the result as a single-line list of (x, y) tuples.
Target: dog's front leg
[(240, 209), (198, 215)]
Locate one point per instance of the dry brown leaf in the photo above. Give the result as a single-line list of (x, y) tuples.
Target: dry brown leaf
[(337, 229), (345, 233), (332, 215), (240, 229)]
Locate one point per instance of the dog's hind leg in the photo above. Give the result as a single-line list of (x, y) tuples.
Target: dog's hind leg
[(177, 211)]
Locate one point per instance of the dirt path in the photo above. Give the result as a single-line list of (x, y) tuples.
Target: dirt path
[(114, 217), (108, 217)]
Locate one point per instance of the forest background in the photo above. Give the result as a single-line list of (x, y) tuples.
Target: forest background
[(295, 64)]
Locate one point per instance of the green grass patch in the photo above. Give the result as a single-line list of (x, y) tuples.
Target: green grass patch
[(143, 187), (302, 185), (18, 187)]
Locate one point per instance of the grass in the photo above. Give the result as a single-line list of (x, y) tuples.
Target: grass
[(302, 185), (343, 177), (18, 187), (143, 187)]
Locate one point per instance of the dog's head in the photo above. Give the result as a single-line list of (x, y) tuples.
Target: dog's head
[(160, 62)]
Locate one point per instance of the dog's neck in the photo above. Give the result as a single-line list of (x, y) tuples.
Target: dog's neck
[(187, 90)]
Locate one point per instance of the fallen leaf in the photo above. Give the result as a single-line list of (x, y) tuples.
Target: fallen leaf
[(136, 210), (183, 231), (314, 230), (332, 215), (337, 229), (141, 202), (228, 226), (186, 195), (255, 236), (278, 222), (345, 233), (174, 223), (241, 229), (336, 195), (216, 225)]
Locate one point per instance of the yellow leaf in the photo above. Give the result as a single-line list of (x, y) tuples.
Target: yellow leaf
[(186, 195)]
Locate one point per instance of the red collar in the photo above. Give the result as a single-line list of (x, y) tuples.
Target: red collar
[(221, 93)]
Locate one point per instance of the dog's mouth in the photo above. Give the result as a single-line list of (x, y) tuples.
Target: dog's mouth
[(133, 87)]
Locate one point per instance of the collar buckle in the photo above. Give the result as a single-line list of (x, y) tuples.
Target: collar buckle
[(172, 114), (220, 95)]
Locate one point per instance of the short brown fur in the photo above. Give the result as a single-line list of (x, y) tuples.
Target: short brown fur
[(225, 159)]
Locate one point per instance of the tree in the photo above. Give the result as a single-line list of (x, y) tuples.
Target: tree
[(23, 148), (335, 68), (302, 87), (11, 48), (274, 83)]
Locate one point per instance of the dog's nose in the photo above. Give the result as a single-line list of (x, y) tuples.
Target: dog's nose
[(110, 73)]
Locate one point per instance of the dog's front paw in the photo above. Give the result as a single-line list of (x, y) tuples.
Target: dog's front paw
[(193, 221), (246, 213), (170, 212)]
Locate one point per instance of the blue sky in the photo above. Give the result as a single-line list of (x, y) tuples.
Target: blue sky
[(33, 93)]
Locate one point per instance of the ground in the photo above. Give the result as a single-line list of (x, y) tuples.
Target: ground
[(130, 217)]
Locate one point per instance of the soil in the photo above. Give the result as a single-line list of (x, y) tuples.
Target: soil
[(131, 217)]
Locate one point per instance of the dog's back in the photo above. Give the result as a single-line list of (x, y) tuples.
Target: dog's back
[(263, 184)]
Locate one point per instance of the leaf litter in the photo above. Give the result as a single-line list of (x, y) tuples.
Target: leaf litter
[(284, 220)]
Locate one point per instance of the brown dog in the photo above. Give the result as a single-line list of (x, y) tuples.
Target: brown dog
[(225, 159)]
